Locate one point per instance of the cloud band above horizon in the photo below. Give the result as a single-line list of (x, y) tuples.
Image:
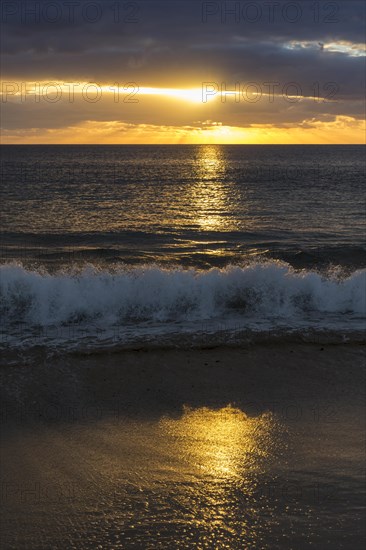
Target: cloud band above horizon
[(265, 72)]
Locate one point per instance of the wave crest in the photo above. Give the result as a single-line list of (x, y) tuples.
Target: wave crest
[(271, 289)]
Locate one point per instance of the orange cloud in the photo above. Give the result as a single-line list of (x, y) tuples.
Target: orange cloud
[(344, 130)]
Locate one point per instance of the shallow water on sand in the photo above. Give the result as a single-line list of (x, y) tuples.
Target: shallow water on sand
[(211, 478), (228, 449)]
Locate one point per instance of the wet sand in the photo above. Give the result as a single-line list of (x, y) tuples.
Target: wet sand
[(257, 448)]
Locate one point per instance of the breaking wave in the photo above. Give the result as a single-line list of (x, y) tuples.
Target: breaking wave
[(256, 291)]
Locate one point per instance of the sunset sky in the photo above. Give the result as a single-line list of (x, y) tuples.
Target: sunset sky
[(183, 72)]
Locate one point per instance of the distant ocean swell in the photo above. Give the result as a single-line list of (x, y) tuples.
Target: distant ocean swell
[(152, 294)]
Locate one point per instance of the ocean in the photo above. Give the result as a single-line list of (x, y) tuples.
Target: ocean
[(119, 246)]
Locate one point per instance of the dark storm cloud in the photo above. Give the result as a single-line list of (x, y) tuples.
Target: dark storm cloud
[(184, 43), (59, 38)]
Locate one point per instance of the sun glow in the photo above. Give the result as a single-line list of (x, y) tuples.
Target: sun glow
[(47, 89), (157, 116), (194, 94), (53, 91)]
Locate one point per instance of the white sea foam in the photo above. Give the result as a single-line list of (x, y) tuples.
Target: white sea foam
[(254, 292)]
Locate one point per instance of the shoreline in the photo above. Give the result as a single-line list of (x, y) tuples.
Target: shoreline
[(258, 448), (151, 381)]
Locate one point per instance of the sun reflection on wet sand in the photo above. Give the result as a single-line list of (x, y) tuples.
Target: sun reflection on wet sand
[(224, 443), (230, 452)]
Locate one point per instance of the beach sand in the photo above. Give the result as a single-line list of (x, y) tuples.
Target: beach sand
[(221, 448)]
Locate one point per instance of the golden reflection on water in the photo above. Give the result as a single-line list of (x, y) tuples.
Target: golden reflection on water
[(208, 197), (229, 454), (224, 443)]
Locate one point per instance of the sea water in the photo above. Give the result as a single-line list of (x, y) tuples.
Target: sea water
[(113, 245)]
